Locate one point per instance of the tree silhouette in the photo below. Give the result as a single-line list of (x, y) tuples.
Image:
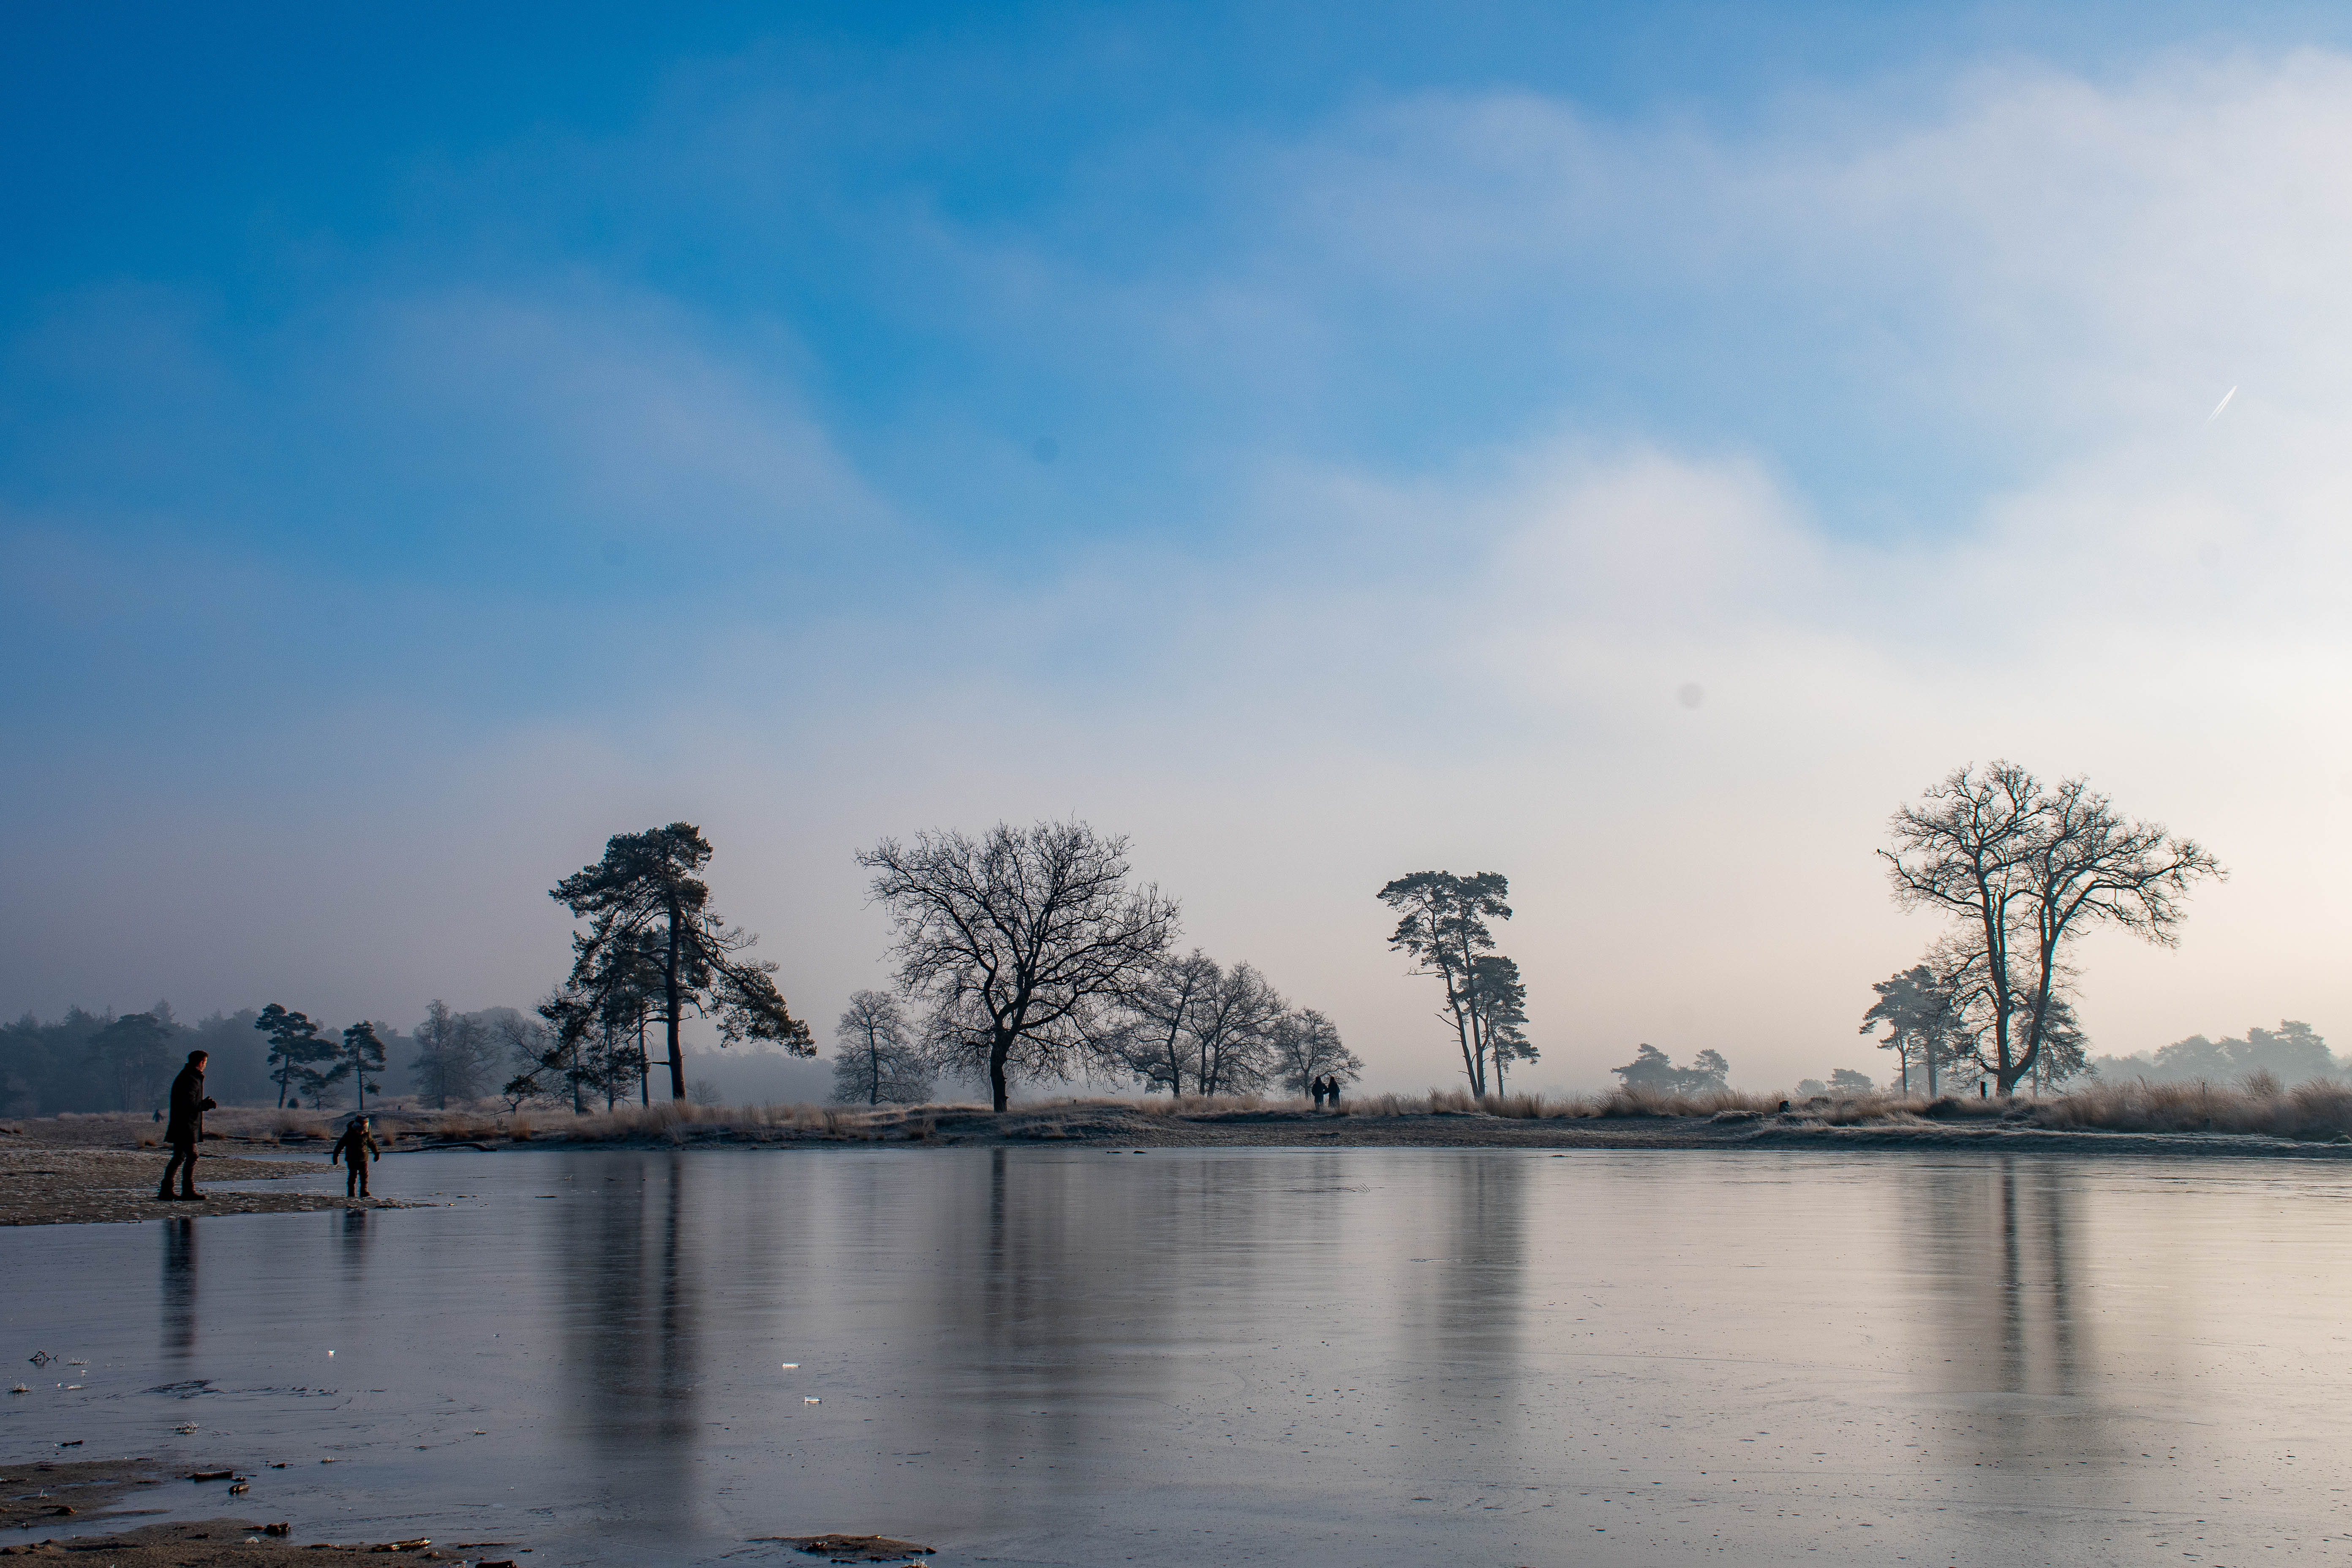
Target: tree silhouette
[(654, 947), (876, 1058), (2025, 868), (360, 1058), (1498, 1001), (1025, 941), (1306, 1047), (136, 1050), (294, 1047), (1442, 926)]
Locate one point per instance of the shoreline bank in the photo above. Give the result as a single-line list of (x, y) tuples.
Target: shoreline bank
[(74, 1184), (59, 1170)]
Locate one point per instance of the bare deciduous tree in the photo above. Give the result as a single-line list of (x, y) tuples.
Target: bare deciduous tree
[(1155, 1041), (2026, 868), (531, 1047), (876, 1058), (1023, 940), (455, 1056), (1232, 1032), (1307, 1048)]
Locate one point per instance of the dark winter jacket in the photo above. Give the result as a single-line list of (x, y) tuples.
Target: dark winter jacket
[(188, 1106), (356, 1140)]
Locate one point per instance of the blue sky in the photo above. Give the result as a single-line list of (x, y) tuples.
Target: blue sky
[(1317, 443)]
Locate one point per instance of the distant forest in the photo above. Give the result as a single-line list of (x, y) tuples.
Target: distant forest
[(2293, 1053), (90, 1061), (106, 1061)]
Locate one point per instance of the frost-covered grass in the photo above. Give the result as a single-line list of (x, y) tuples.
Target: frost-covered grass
[(2259, 1103), (2320, 1109)]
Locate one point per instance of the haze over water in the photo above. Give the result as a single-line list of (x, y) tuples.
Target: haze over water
[(1183, 1357)]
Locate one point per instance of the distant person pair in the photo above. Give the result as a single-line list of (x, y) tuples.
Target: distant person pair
[(1326, 1089)]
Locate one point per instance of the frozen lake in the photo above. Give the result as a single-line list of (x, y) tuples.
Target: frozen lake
[(1248, 1356)]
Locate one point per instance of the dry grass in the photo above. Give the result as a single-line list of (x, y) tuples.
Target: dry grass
[(2318, 1110), (2321, 1108), (2259, 1103)]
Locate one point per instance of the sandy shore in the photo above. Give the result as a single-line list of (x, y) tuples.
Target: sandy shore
[(55, 1171), (39, 1494), (1116, 1127), (69, 1182), (36, 1495)]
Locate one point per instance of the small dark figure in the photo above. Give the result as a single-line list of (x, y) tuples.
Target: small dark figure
[(356, 1141), (1784, 1108), (1316, 1085), (1984, 1089), (186, 1129), (1331, 1092)]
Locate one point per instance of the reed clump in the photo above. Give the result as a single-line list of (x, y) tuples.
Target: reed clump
[(2318, 1110)]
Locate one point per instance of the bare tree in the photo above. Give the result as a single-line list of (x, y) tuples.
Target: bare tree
[(534, 1051), (1307, 1048), (2027, 869), (1023, 940), (1155, 1041), (455, 1056), (1231, 1031), (2090, 867), (877, 1057)]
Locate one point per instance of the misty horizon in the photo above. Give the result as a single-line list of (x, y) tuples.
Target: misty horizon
[(1556, 453)]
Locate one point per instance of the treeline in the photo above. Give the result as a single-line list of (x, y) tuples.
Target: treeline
[(1024, 956), (90, 1061), (2293, 1053)]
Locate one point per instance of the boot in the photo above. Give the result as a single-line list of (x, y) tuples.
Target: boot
[(164, 1194), (188, 1194)]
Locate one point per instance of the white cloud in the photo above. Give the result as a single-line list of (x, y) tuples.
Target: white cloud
[(1381, 667)]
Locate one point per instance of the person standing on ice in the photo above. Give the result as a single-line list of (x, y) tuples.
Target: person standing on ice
[(186, 1130), (354, 1148)]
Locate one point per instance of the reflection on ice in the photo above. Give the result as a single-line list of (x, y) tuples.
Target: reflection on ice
[(1041, 1355)]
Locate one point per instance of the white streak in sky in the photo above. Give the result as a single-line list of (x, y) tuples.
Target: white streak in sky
[(2220, 406)]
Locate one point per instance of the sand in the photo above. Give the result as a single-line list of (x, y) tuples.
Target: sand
[(49, 1493), (43, 1183)]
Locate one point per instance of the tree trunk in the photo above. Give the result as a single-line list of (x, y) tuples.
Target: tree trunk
[(670, 993), (1469, 1063), (998, 1050), (1996, 977)]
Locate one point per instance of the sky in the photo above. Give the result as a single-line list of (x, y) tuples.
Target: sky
[(1631, 449)]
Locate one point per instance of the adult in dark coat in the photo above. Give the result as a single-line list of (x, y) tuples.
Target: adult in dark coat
[(186, 1127)]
